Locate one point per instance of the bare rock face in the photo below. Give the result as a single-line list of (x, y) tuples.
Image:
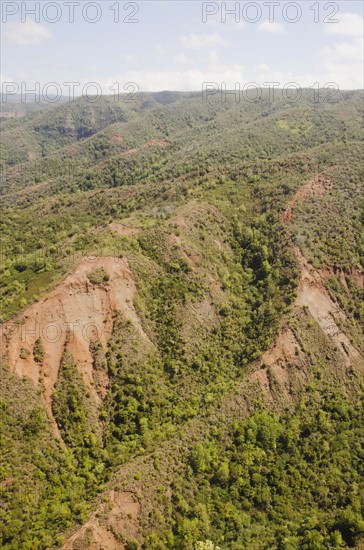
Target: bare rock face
[(75, 313), (317, 187), (121, 513)]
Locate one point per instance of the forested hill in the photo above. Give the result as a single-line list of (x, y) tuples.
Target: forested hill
[(181, 308)]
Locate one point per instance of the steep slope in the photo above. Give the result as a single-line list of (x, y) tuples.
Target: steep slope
[(294, 363), (78, 312)]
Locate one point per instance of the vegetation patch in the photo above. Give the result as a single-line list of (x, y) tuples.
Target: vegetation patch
[(98, 276)]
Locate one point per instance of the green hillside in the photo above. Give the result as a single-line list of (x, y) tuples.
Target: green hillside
[(220, 247)]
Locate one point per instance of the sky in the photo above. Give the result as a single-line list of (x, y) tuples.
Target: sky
[(151, 45)]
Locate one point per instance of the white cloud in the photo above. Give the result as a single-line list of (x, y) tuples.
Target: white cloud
[(262, 67), (8, 85), (350, 24), (343, 63), (229, 26), (182, 59), (340, 64), (203, 41), (26, 33), (345, 50), (213, 57), (127, 56), (347, 75), (160, 50), (274, 27), (266, 76), (188, 79)]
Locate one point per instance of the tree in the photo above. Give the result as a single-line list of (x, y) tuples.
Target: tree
[(207, 545)]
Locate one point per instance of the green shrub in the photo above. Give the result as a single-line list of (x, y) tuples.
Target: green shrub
[(38, 351), (98, 276)]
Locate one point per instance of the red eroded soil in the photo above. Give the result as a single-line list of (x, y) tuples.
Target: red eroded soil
[(317, 187), (75, 309), (119, 515), (151, 143), (313, 295), (121, 229)]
